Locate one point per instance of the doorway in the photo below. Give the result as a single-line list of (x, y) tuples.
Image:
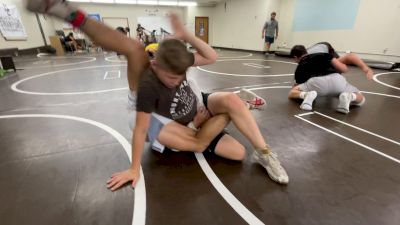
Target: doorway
[(201, 28)]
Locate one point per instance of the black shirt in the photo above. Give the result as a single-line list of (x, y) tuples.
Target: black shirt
[(314, 65), (68, 38)]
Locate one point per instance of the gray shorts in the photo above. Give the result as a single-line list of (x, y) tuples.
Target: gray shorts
[(157, 122), (329, 85)]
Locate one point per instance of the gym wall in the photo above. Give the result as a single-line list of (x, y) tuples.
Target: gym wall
[(371, 30), (238, 23), (31, 27), (373, 33), (132, 12)]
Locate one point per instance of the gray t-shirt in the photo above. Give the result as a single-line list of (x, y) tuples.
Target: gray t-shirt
[(318, 48), (270, 27)]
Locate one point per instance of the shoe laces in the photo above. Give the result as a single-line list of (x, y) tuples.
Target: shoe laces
[(273, 158), (264, 151), (274, 164)]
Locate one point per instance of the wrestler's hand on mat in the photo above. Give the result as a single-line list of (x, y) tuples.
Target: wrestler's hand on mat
[(179, 29), (120, 178), (201, 117)]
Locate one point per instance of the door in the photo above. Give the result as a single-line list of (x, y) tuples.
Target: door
[(201, 28)]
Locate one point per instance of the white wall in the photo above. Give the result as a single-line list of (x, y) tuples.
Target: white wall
[(240, 25), (31, 27), (132, 12), (375, 34), (105, 10), (375, 30)]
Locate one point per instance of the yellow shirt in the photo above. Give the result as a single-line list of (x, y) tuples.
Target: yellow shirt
[(151, 47)]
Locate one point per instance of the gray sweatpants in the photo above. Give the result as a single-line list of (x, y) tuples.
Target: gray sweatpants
[(329, 85)]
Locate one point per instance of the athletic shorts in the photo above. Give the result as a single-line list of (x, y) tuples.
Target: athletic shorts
[(329, 85), (269, 39), (157, 122), (205, 98)]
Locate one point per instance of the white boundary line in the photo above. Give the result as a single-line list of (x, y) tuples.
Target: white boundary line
[(249, 217), (358, 128), (248, 75), (106, 77), (269, 60), (259, 66), (306, 114), (218, 50), (385, 84), (90, 59), (381, 94), (260, 88), (355, 142), (110, 59), (220, 187), (271, 87), (41, 62), (252, 86), (14, 85), (351, 140), (234, 57), (276, 87), (139, 209), (365, 92)]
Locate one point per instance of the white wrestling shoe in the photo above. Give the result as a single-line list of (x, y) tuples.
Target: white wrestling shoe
[(308, 100), (345, 99), (252, 99), (270, 162)]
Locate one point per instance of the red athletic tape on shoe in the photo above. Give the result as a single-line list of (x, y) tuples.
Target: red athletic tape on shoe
[(79, 19)]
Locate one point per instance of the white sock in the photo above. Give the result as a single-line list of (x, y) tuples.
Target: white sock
[(309, 98), (303, 94)]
